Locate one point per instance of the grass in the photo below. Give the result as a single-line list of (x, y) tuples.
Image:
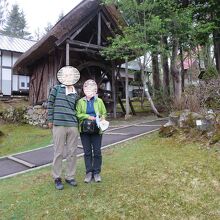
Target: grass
[(147, 178), (19, 138), (137, 106)]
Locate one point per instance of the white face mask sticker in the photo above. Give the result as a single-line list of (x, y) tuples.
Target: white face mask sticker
[(90, 88), (68, 75)]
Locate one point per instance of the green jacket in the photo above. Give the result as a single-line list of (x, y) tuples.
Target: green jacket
[(81, 107)]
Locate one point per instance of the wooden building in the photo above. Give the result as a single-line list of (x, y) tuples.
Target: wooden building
[(75, 40)]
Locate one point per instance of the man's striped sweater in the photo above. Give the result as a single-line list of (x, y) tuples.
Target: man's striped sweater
[(61, 107)]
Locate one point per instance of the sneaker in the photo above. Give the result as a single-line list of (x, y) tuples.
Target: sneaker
[(88, 177), (58, 184), (71, 182), (97, 178)]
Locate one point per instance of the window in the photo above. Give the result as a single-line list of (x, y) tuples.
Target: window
[(22, 84)]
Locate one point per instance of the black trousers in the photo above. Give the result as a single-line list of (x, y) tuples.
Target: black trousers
[(92, 152)]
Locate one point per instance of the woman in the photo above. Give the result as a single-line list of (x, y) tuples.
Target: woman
[(93, 109)]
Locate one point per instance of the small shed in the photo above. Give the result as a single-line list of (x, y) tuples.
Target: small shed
[(75, 40)]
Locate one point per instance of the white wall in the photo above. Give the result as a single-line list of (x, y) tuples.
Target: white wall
[(6, 81), (6, 59), (15, 83), (11, 82)]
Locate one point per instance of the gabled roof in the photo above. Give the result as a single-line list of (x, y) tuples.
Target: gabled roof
[(70, 23), (15, 44)]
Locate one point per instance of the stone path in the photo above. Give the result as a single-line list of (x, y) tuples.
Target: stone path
[(35, 159)]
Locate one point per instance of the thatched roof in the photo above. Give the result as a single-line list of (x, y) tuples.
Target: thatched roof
[(69, 23)]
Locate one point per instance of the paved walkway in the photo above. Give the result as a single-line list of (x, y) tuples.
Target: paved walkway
[(42, 157)]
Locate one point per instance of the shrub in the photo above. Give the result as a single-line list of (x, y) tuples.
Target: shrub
[(198, 98), (210, 73), (14, 115), (1, 134), (167, 131)]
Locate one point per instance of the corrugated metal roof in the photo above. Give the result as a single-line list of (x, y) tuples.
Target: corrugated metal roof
[(15, 44), (132, 65)]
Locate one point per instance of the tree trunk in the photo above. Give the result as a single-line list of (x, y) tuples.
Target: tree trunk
[(175, 72), (182, 68), (216, 40), (155, 72), (146, 90), (165, 67), (207, 56)]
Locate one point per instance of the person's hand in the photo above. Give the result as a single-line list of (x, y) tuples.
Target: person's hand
[(91, 118), (50, 125), (102, 118)]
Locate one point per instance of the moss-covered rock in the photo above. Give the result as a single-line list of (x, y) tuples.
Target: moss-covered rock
[(215, 137)]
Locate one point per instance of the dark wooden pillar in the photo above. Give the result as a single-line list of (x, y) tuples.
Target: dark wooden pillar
[(67, 53), (99, 29), (114, 93)]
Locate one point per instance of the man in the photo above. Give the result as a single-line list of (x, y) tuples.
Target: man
[(63, 122)]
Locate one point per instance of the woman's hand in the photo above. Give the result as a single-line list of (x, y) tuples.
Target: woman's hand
[(91, 118), (102, 118)]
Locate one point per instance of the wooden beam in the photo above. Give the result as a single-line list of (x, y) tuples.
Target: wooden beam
[(67, 54), (90, 40), (121, 104), (108, 24), (85, 50), (80, 29), (126, 87), (132, 107), (68, 35), (99, 29), (40, 82), (84, 44)]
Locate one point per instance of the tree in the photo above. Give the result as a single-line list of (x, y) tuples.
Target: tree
[(3, 11), (16, 23), (128, 46), (61, 15), (207, 17), (48, 27)]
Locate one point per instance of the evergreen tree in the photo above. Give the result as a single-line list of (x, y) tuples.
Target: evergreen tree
[(48, 27), (16, 24), (3, 11), (61, 15)]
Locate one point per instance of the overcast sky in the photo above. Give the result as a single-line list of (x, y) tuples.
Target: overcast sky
[(39, 12)]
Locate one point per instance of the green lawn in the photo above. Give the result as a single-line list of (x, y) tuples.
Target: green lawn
[(137, 106), (19, 138), (147, 178)]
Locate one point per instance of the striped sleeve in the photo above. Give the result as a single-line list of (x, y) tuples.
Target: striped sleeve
[(51, 101)]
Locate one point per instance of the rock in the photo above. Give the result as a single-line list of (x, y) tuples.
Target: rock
[(204, 125), (127, 117), (173, 119)]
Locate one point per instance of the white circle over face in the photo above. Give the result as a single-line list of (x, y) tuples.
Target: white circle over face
[(90, 88), (68, 75)]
